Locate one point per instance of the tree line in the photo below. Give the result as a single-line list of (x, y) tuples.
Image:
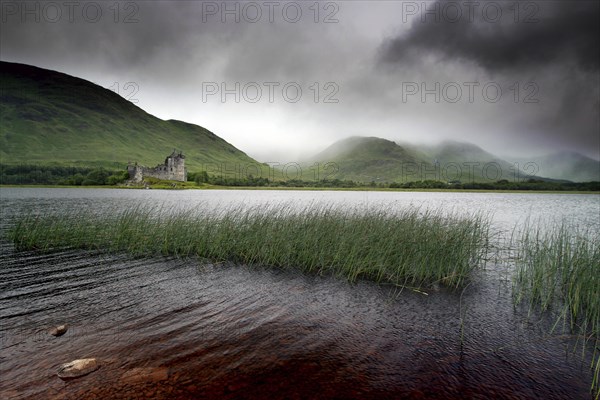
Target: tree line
[(60, 175), (87, 176)]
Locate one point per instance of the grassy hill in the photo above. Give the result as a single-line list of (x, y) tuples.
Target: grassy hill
[(367, 159), (50, 118)]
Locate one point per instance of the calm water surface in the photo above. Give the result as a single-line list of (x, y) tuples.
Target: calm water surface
[(170, 328), (507, 209)]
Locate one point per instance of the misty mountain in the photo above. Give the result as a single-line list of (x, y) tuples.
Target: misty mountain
[(48, 117), (564, 165), (368, 159)]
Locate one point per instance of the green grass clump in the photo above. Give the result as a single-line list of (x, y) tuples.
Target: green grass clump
[(406, 248), (559, 268)]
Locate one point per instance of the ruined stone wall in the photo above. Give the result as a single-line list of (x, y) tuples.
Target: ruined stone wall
[(173, 169)]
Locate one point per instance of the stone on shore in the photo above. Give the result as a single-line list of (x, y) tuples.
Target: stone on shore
[(77, 368), (58, 330)]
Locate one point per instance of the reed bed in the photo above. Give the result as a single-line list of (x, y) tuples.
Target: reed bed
[(559, 269), (406, 248)]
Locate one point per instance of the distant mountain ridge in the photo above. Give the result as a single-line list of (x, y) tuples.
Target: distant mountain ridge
[(47, 117), (565, 165), (375, 159), (365, 159), (51, 118)]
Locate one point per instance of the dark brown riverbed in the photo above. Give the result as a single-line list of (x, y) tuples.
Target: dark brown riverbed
[(166, 328)]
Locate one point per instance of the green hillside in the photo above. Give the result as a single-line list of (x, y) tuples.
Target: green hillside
[(50, 118), (366, 159), (371, 159)]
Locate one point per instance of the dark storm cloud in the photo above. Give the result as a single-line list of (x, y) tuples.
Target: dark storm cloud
[(173, 39), (170, 51), (553, 44), (117, 40), (542, 32)]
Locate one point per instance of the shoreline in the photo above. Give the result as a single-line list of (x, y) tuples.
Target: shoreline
[(332, 189)]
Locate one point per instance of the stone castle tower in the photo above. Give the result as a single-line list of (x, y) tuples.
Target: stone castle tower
[(173, 169)]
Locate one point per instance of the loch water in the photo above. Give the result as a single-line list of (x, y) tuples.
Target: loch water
[(187, 328)]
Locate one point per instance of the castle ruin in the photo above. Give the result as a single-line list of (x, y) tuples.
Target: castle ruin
[(173, 169)]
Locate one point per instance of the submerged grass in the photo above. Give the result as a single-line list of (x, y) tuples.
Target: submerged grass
[(407, 248)]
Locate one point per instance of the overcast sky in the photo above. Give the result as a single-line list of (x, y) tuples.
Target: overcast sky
[(515, 78)]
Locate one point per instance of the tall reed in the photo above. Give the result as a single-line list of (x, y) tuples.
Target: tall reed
[(558, 269), (409, 247)]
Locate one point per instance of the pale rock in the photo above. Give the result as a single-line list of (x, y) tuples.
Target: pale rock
[(58, 330), (77, 368)]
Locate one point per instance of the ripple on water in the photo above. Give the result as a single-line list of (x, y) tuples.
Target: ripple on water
[(168, 328)]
